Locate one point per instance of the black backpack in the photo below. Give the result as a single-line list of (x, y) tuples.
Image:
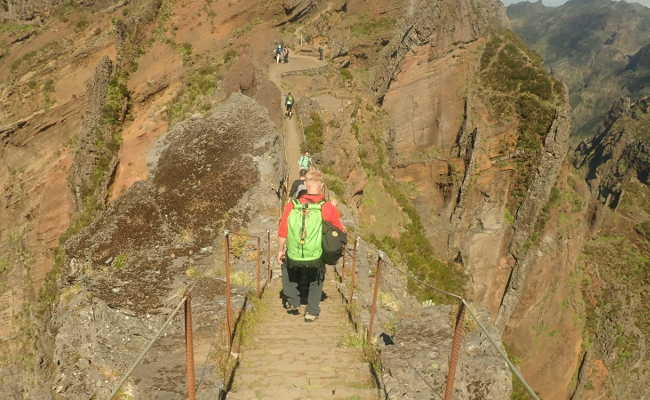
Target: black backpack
[(334, 241)]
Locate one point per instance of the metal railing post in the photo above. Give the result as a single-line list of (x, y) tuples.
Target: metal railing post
[(375, 294), (229, 316), (343, 266), (268, 255), (353, 272), (258, 267), (455, 352), (189, 350)]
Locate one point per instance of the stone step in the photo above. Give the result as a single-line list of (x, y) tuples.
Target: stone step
[(304, 394)]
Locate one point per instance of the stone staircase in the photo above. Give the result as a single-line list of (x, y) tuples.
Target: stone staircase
[(288, 359)]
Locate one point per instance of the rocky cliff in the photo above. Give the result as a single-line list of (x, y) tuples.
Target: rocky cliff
[(127, 269), (616, 266)]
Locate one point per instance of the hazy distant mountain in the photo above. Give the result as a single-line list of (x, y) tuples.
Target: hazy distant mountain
[(600, 48), (555, 3)]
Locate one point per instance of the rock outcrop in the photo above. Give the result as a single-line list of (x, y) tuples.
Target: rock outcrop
[(127, 268), (621, 149), (96, 156), (442, 25)]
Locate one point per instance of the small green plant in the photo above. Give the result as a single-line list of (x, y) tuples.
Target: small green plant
[(346, 75), (243, 279), (354, 341), (508, 217), (314, 135), (335, 184), (196, 95), (230, 55), (186, 52), (25, 59), (120, 261), (81, 24), (48, 89), (12, 27), (366, 26)]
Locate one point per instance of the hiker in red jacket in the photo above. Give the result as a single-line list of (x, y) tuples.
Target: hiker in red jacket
[(299, 249)]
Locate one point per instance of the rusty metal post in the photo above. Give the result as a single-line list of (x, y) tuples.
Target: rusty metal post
[(229, 316), (189, 350), (342, 277), (353, 272), (258, 267), (375, 294), (455, 350), (268, 255)]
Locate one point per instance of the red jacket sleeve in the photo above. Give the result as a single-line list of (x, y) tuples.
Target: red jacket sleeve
[(283, 228), (332, 215)]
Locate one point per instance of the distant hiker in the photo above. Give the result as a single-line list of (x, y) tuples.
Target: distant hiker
[(285, 55), (298, 186), (320, 53), (289, 104), (305, 161), (300, 245), (278, 53)]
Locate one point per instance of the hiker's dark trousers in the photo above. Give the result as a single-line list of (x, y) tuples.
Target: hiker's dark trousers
[(313, 275)]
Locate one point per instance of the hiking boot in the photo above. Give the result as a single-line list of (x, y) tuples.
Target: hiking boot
[(310, 317), (293, 310)]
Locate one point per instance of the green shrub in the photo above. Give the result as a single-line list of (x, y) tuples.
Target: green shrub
[(230, 55), (81, 25), (196, 95), (186, 52), (366, 26), (335, 185), (314, 135), (346, 75)]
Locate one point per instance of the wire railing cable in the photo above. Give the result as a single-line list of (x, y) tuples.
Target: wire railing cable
[(153, 340), (474, 316)]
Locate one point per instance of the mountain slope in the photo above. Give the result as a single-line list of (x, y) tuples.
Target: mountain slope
[(595, 46)]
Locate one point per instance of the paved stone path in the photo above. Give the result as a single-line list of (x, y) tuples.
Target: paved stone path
[(287, 358)]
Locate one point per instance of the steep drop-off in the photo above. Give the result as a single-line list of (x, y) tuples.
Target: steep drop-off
[(596, 47)]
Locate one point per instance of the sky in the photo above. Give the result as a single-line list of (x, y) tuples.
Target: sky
[(560, 2)]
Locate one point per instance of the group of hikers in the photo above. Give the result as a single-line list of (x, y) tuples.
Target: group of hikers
[(310, 235)]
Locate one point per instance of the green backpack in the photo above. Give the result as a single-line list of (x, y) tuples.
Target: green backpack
[(304, 241)]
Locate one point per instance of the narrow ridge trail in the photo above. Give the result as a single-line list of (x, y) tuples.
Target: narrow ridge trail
[(286, 358), (292, 135)]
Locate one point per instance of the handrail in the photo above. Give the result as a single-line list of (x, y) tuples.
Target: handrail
[(186, 300), (164, 326), (464, 304), (474, 316)]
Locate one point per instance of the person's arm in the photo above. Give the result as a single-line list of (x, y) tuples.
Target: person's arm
[(283, 230), (332, 215), (282, 249)]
